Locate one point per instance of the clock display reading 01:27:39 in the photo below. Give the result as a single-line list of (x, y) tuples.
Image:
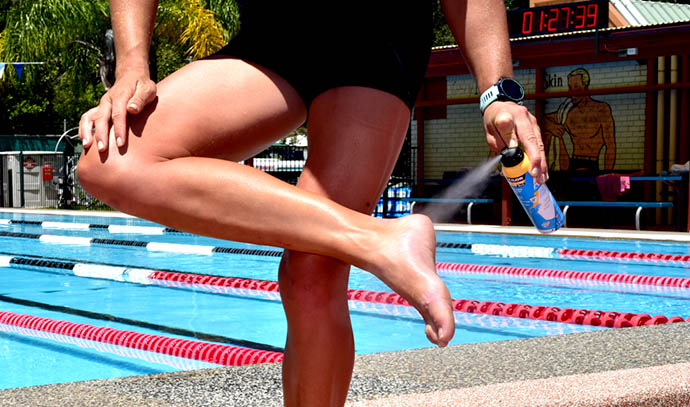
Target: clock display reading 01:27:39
[(558, 18)]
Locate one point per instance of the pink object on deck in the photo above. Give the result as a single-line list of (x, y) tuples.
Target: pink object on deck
[(611, 186)]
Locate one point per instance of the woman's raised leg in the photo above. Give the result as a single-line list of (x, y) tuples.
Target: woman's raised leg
[(226, 108)]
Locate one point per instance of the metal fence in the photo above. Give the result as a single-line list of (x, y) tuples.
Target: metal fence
[(39, 179)]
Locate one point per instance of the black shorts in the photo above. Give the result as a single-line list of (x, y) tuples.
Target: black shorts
[(318, 45)]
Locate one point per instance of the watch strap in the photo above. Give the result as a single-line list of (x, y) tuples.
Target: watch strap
[(489, 96)]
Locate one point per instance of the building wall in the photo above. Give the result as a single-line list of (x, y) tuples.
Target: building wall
[(458, 141)]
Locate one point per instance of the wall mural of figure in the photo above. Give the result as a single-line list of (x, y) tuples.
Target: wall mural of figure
[(588, 124)]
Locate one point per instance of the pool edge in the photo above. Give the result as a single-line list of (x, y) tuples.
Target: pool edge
[(567, 232), (440, 227)]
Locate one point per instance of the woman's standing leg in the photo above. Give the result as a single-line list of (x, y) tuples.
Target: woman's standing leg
[(355, 136)]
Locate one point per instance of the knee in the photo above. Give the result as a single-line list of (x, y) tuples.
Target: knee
[(313, 283), (102, 178)]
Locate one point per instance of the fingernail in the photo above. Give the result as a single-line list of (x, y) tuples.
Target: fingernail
[(512, 143), (119, 142), (133, 107), (87, 139), (100, 145), (542, 179), (534, 172)]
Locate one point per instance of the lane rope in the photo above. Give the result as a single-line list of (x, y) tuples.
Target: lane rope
[(150, 246), (476, 248), (567, 274), (115, 229), (151, 357), (203, 351), (566, 315)]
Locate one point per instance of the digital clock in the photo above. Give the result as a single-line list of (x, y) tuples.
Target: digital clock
[(559, 18)]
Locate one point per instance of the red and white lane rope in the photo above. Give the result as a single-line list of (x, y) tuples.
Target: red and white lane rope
[(203, 351), (549, 252), (569, 274), (567, 315), (152, 357), (608, 254)]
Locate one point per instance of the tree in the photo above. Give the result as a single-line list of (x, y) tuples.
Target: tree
[(70, 36)]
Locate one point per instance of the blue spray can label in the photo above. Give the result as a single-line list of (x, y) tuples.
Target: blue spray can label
[(536, 199)]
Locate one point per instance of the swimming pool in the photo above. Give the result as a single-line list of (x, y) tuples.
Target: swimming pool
[(97, 271)]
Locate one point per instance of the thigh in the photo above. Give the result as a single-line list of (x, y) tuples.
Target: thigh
[(355, 136), (218, 107)]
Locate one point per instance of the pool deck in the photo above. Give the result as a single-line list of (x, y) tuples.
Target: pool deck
[(642, 366)]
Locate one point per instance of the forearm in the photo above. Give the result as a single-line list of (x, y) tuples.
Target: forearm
[(133, 22), (480, 27)]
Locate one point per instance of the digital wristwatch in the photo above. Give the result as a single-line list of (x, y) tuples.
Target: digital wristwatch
[(506, 89)]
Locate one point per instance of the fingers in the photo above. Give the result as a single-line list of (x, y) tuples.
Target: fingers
[(505, 126), (129, 96), (507, 123), (94, 126), (535, 148), (119, 120), (144, 94), (530, 135), (102, 126), (86, 128)]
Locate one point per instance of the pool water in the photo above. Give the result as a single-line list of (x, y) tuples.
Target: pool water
[(29, 358)]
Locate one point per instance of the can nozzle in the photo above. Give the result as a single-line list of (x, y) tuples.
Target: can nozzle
[(510, 157)]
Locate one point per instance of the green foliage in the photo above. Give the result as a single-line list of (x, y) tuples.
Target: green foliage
[(513, 4), (69, 36), (443, 35), (4, 9), (25, 107)]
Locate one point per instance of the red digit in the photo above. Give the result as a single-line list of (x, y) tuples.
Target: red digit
[(541, 20), (592, 13), (527, 27), (580, 16), (552, 20), (567, 17)]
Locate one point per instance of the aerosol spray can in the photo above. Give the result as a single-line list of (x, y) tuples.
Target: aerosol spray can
[(537, 200)]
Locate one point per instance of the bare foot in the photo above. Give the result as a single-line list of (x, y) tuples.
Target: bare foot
[(408, 266)]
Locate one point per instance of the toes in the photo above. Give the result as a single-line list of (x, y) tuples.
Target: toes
[(430, 332), (441, 327)]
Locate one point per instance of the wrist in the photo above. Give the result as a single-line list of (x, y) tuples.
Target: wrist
[(135, 68)]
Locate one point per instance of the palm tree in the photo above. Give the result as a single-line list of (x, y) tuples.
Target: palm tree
[(74, 33)]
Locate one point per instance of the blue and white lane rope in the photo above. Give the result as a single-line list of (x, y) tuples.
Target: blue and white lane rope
[(122, 273), (150, 246), (115, 229), (512, 251), (475, 248), (116, 273)]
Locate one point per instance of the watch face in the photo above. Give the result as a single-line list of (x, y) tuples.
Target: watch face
[(512, 89)]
